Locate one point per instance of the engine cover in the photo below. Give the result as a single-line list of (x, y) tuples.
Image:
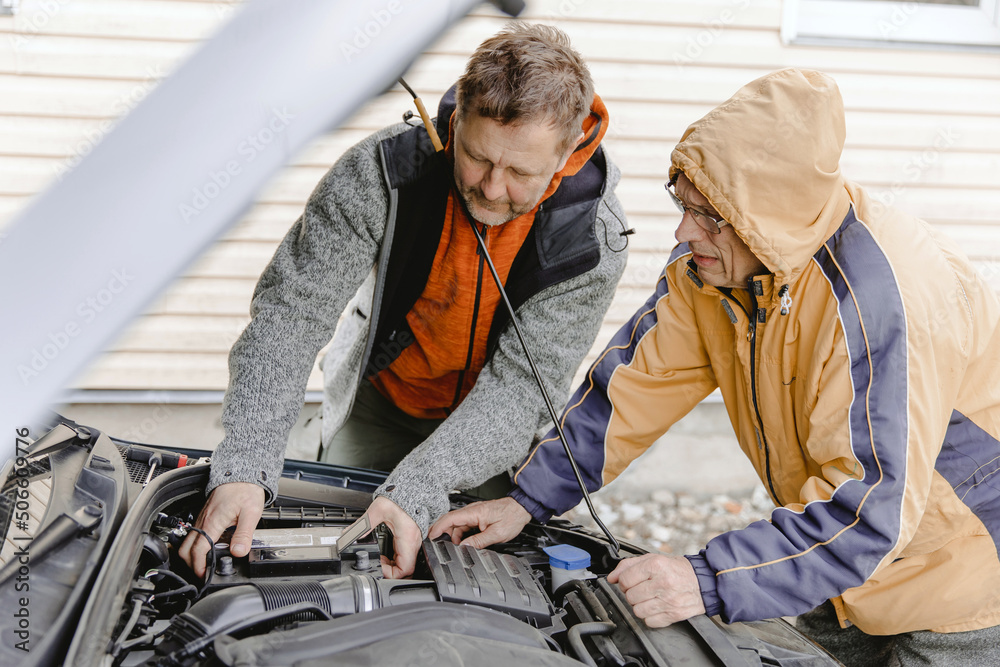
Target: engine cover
[(488, 579)]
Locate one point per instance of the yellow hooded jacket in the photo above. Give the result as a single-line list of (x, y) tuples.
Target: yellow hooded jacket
[(860, 376)]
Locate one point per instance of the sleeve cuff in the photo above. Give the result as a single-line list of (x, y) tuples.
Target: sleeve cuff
[(253, 464), (422, 505), (707, 584), (539, 512), (269, 483)]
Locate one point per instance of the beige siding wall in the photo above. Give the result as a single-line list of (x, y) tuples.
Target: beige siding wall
[(923, 133)]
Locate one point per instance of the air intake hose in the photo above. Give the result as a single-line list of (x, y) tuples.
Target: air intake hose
[(236, 608)]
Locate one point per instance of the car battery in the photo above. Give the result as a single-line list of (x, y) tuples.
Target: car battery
[(276, 552)]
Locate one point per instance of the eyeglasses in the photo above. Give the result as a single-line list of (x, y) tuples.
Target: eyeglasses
[(710, 223)]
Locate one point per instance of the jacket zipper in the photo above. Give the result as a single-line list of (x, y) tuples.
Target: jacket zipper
[(475, 318), (752, 316)]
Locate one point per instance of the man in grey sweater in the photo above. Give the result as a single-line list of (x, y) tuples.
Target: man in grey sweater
[(425, 367)]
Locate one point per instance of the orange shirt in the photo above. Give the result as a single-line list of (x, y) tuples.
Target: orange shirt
[(424, 380)]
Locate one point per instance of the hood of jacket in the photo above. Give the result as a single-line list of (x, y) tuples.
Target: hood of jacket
[(768, 159)]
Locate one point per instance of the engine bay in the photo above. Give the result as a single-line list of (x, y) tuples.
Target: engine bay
[(295, 584), (110, 589), (293, 577)]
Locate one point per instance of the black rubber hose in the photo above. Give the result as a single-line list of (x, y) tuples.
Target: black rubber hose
[(606, 647), (224, 610), (581, 630), (187, 654)]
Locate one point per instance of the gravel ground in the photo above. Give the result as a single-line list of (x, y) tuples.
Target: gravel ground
[(671, 522)]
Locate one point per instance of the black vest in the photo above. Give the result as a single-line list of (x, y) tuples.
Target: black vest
[(561, 244)]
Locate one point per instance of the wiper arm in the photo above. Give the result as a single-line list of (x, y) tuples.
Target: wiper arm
[(59, 438)]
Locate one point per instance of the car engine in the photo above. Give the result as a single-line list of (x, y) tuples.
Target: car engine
[(110, 590)]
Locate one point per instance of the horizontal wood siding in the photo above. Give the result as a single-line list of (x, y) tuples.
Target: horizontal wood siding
[(923, 133)]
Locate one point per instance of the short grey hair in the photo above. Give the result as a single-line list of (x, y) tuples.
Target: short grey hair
[(528, 72)]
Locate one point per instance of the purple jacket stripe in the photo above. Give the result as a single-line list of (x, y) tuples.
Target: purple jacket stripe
[(970, 461)]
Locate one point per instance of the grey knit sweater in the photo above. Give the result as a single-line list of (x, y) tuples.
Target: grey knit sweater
[(316, 270)]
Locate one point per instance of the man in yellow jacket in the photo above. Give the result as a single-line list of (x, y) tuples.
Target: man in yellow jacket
[(857, 351)]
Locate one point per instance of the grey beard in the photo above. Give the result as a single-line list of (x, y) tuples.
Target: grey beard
[(510, 215)]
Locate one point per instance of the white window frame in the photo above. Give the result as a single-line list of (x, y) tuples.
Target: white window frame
[(882, 23), (8, 6)]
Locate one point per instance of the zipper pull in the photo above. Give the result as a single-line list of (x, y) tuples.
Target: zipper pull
[(754, 317), (786, 301)]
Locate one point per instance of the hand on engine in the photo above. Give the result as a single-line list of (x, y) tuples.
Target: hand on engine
[(497, 520), (661, 589), (238, 503), (406, 538)]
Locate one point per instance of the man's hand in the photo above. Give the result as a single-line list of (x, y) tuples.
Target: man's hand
[(498, 521), (239, 503), (405, 537), (661, 589)]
